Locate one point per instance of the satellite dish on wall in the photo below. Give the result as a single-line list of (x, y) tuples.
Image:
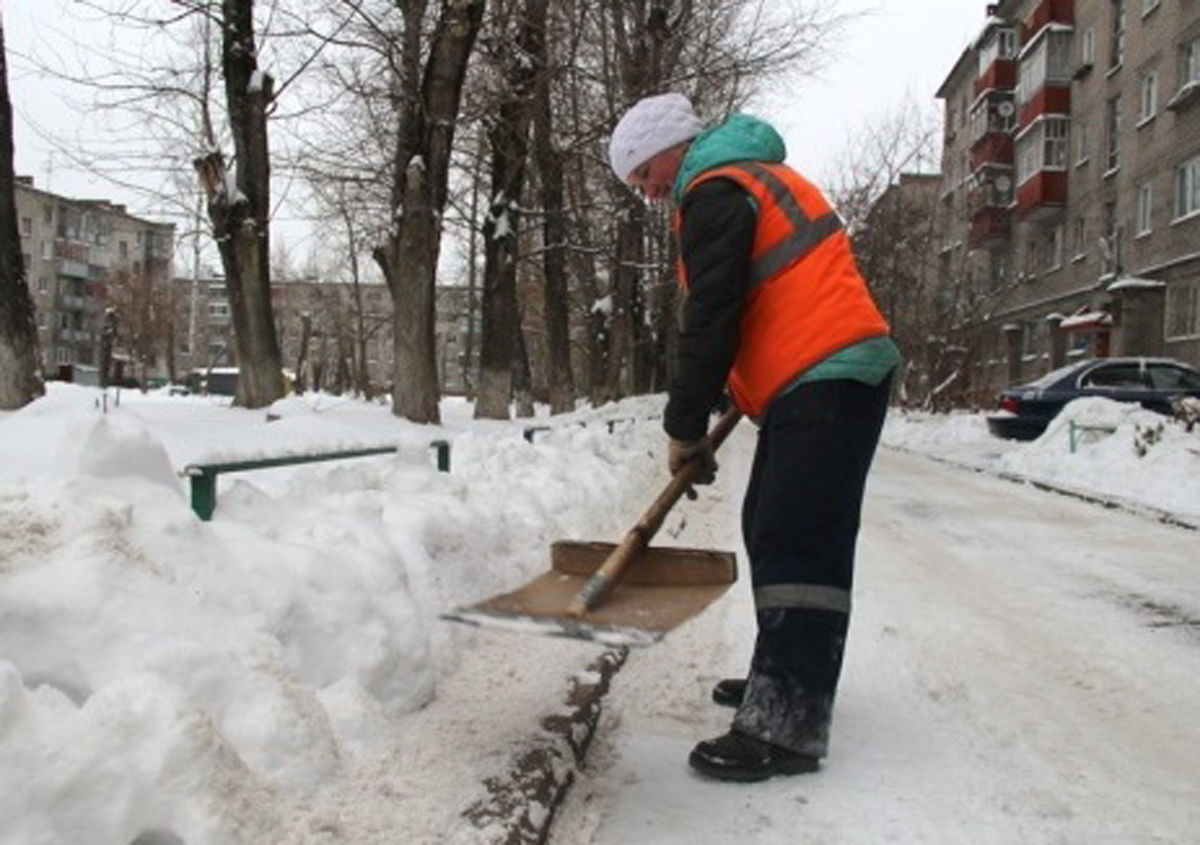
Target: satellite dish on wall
[(1003, 183), (1005, 109)]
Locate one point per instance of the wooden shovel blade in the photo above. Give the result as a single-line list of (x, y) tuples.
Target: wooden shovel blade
[(662, 590)]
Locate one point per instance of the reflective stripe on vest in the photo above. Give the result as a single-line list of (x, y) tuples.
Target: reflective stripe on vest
[(805, 235), (806, 299)]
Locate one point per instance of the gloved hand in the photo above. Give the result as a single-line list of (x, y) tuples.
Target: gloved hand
[(679, 452)]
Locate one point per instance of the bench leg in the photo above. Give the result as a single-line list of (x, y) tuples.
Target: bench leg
[(204, 495)]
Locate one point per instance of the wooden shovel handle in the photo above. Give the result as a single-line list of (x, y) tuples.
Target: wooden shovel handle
[(639, 537)]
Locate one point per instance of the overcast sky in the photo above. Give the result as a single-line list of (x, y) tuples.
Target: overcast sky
[(897, 49)]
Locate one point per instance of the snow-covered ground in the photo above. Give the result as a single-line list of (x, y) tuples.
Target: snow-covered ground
[(280, 674)]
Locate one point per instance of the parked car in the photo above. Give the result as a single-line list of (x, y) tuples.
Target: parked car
[(1026, 410)]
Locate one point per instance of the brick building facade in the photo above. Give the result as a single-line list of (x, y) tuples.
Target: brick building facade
[(1070, 201)]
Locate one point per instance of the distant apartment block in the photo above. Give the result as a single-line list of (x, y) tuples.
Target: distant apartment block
[(327, 331), (81, 258), (1070, 199)]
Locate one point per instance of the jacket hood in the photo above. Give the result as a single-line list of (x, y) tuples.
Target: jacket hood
[(740, 138)]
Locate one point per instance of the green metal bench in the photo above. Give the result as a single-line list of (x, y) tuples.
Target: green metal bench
[(203, 477)]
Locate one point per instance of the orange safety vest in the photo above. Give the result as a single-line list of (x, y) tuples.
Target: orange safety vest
[(807, 299)]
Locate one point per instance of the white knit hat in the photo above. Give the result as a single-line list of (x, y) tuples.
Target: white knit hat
[(652, 125)]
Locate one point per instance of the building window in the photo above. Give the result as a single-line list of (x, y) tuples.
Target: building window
[(1183, 311), (1049, 63), (1043, 147), (47, 250), (1003, 45), (123, 249), (62, 355), (47, 214), (1187, 188), (1145, 205), (1087, 48), (1189, 63), (1113, 131), (1054, 249), (1117, 54), (26, 226), (43, 284), (1108, 241), (1149, 97), (1079, 238), (1081, 144)]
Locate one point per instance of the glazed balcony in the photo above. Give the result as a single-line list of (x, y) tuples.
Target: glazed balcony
[(1047, 12), (991, 227), (1043, 194), (994, 148), (1047, 100), (1000, 76)]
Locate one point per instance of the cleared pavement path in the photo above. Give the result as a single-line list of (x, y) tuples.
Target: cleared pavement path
[(1023, 667)]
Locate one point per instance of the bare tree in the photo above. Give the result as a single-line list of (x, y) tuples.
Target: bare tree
[(521, 61), (239, 208), (424, 134), (20, 379)]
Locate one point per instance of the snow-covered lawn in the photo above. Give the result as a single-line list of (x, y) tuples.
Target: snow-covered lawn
[(280, 673)]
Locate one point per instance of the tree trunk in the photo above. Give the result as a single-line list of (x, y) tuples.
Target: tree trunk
[(509, 137), (554, 265), (241, 220), (20, 379), (425, 132)]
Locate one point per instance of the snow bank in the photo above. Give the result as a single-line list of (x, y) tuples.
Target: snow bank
[(169, 669), (1122, 452)]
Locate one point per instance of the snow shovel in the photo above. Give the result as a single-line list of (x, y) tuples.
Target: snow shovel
[(618, 594)]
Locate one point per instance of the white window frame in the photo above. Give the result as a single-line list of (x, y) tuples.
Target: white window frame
[(1112, 126), (1148, 97), (62, 355), (1087, 48), (1117, 45), (1187, 189), (1080, 238), (1081, 143), (1054, 249), (1044, 146), (1182, 318), (1145, 210), (1189, 63), (47, 250)]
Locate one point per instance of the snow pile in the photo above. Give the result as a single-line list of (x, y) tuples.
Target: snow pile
[(156, 672), (1122, 452)]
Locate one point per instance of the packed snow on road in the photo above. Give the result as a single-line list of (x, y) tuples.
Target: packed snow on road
[(1023, 665)]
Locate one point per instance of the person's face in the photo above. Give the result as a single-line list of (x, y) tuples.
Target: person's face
[(656, 177)]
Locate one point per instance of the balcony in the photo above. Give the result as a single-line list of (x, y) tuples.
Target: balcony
[(995, 148), (73, 269), (1001, 76), (1050, 99), (991, 227), (1043, 195), (1048, 12)]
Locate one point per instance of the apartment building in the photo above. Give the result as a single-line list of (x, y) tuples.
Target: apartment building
[(81, 258), (1070, 202), (322, 318)]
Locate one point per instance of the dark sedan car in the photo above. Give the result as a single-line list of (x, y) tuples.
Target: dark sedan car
[(1026, 410)]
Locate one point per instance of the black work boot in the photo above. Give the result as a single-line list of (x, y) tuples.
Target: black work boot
[(739, 757), (729, 692)]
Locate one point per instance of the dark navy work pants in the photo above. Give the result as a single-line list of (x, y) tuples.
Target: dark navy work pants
[(800, 522)]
